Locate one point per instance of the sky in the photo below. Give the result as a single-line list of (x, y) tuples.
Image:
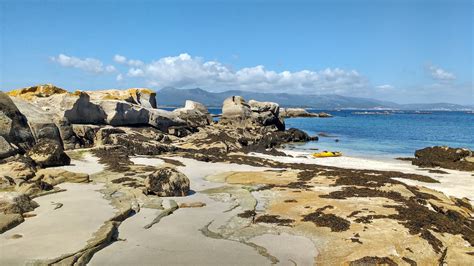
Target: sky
[(405, 51)]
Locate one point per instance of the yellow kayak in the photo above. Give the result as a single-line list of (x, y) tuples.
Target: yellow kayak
[(327, 154)]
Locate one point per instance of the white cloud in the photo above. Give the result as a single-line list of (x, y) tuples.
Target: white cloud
[(186, 71), (385, 87), (119, 77), (120, 59), (440, 74), (123, 60), (87, 64)]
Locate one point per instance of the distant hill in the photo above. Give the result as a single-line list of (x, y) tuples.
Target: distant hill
[(176, 97)]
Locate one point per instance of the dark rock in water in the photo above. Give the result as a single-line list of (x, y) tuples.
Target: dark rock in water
[(167, 182), (48, 153), (13, 124), (445, 157)]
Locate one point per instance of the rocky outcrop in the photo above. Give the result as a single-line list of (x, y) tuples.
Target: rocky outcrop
[(445, 157), (13, 125), (194, 114), (238, 113), (58, 176), (300, 112), (138, 96), (45, 90), (48, 153), (167, 182)]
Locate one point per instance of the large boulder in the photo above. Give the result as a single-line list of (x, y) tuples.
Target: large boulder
[(446, 157), (58, 176), (195, 114), (237, 112), (86, 134), (17, 167), (163, 120), (138, 96), (48, 153), (15, 202), (121, 113), (267, 114), (13, 124), (167, 182)]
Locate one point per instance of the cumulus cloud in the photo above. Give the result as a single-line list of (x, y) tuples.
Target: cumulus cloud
[(130, 62), (119, 77), (186, 71), (87, 64), (440, 74)]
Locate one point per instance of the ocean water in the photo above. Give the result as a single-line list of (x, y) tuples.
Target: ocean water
[(394, 135), (383, 136)]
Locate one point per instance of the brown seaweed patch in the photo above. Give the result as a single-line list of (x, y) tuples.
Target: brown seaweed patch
[(274, 219), (172, 161), (336, 223), (409, 261), (122, 180), (373, 261)]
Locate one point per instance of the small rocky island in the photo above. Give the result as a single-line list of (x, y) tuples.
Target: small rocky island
[(104, 177)]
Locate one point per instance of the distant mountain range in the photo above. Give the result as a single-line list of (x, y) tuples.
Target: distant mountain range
[(173, 97)]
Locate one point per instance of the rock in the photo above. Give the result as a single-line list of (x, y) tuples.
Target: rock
[(48, 153), (45, 90), (445, 157), (13, 124), (78, 109), (17, 167), (6, 149), (8, 221), (267, 114), (167, 182), (68, 136), (194, 114), (86, 134), (323, 115), (32, 188), (58, 176), (296, 112), (14, 202), (139, 96), (124, 114), (236, 112), (163, 120)]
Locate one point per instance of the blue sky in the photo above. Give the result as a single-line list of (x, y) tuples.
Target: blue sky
[(404, 51)]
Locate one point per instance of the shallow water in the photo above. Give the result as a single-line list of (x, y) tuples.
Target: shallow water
[(393, 135)]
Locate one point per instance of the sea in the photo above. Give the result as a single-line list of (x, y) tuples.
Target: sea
[(376, 134)]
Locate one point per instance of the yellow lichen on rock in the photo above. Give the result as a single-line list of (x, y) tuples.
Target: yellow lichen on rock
[(28, 93)]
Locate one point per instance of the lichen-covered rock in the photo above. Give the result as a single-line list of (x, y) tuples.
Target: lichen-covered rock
[(15, 202), (45, 90), (13, 124), (446, 157), (195, 114), (167, 182), (139, 96), (48, 153)]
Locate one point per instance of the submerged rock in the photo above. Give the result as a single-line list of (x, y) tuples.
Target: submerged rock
[(167, 182), (48, 153)]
